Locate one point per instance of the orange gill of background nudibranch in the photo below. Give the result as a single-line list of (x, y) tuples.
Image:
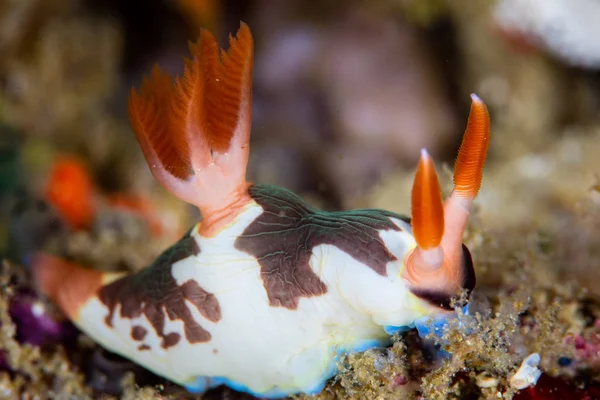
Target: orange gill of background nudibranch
[(70, 189)]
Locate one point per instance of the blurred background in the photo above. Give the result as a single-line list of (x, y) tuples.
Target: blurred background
[(346, 93)]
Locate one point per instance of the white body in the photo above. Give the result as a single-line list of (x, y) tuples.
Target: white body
[(260, 348)]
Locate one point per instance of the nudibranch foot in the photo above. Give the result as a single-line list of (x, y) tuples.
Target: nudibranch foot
[(437, 325), (431, 330), (202, 384)]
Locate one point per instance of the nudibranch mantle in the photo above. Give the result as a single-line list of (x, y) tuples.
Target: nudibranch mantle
[(265, 336), (265, 293)]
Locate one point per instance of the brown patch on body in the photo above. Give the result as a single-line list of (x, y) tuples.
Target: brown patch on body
[(171, 340), (205, 302), (154, 293), (138, 333), (143, 347), (283, 237)]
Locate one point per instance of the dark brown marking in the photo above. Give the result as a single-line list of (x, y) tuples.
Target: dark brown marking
[(215, 351), (154, 293), (172, 339), (143, 347), (138, 333), (205, 302), (282, 239)]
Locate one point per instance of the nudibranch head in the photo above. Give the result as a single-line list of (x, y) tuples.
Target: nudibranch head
[(440, 265)]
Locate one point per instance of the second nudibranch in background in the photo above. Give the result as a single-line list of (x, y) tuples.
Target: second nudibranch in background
[(265, 292)]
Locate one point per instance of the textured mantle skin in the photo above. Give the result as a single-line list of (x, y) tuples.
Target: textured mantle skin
[(268, 304)]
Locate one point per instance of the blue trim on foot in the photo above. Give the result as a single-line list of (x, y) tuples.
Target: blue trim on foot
[(202, 383), (392, 330), (436, 325)]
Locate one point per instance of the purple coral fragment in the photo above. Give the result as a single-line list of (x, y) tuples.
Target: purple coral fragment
[(587, 344), (35, 325)]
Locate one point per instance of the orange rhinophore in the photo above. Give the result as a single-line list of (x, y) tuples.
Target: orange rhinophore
[(468, 170), (70, 190), (427, 207), (437, 261)]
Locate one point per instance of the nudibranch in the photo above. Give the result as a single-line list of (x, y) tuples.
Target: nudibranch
[(264, 293)]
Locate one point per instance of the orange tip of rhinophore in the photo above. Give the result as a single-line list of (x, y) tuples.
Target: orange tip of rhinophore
[(475, 98), (427, 207), (468, 170)]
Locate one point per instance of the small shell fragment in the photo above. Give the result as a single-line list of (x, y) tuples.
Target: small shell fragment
[(528, 374), (486, 381)]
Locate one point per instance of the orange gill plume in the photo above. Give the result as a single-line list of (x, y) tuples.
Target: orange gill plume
[(195, 131), (436, 264)]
